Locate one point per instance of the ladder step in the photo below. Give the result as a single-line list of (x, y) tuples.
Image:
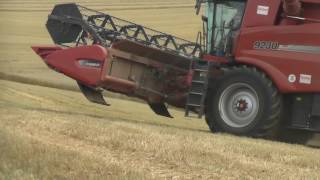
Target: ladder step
[(194, 115), (195, 99), (190, 113), (194, 105), (201, 65), (201, 70), (196, 81), (196, 93), (198, 88)]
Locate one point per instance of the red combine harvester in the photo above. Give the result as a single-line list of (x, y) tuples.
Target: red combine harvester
[(253, 69)]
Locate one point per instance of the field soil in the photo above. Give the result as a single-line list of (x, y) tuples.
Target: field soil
[(47, 133), (48, 130)]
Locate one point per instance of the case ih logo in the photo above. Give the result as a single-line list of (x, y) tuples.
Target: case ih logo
[(266, 45)]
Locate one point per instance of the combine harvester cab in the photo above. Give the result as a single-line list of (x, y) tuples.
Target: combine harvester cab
[(103, 52)]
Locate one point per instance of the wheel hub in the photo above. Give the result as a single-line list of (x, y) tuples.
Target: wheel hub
[(239, 105)]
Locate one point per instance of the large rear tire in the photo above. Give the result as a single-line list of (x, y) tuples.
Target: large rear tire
[(243, 101)]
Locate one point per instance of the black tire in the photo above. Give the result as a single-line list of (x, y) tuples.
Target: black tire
[(256, 115)]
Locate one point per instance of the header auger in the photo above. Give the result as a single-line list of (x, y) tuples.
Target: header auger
[(253, 71)]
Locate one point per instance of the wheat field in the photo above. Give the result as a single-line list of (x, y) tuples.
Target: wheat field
[(48, 130), (56, 134)]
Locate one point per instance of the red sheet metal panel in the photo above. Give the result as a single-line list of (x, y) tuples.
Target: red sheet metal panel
[(83, 63), (261, 13), (295, 53)]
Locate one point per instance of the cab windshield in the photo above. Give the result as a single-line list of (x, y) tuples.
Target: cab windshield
[(223, 21)]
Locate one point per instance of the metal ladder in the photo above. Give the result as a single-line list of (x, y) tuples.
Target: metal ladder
[(198, 89)]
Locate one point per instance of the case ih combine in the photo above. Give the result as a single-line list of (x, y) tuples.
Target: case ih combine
[(255, 68)]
